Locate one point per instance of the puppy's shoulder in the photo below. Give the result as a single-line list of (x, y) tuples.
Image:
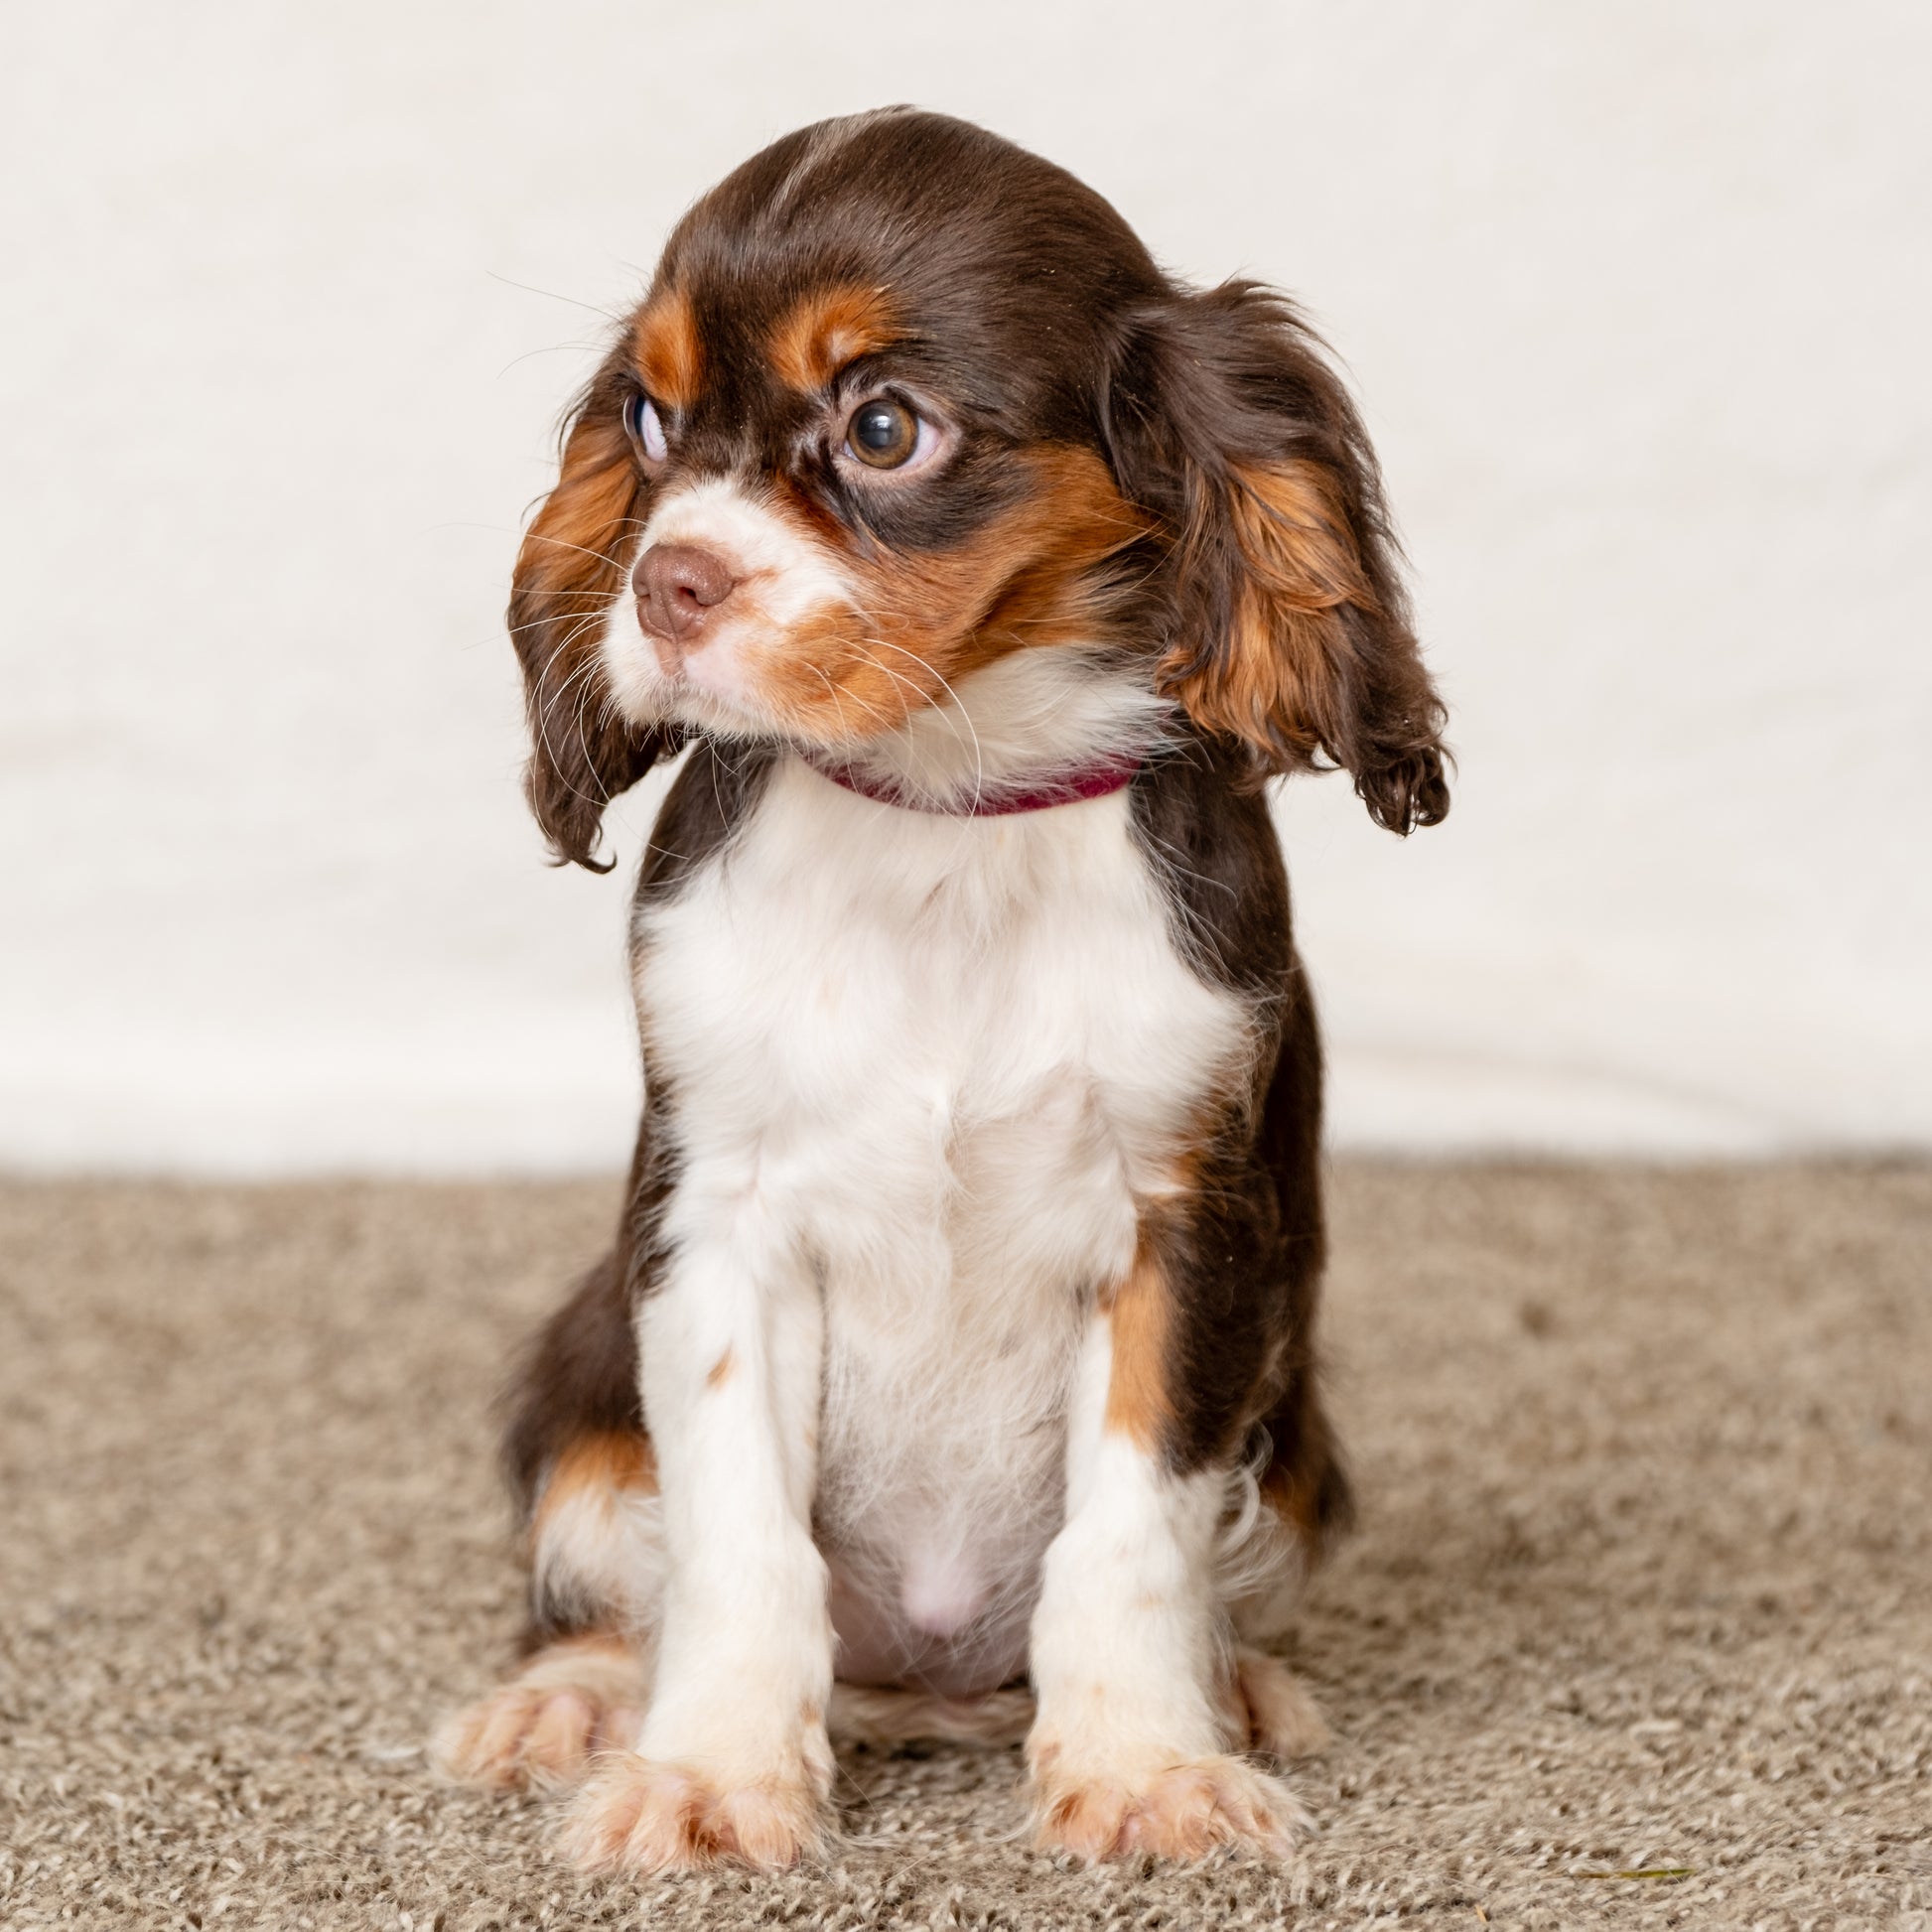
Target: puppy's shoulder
[(1209, 840)]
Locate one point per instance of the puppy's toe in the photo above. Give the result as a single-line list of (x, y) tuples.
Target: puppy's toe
[(639, 1816), (1180, 1811), (543, 1727)]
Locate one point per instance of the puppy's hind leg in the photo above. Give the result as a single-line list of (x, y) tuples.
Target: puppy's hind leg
[(1287, 1508), (585, 1479)]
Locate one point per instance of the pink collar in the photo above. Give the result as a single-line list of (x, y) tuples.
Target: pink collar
[(1066, 788)]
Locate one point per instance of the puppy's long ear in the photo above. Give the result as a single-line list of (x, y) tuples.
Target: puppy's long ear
[(1289, 625), (570, 575)]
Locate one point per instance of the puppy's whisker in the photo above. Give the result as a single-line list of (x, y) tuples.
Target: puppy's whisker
[(540, 712), (553, 294), (540, 536)]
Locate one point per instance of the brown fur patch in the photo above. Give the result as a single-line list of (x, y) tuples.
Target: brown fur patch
[(1052, 591), (1293, 1492), (1273, 682), (567, 566), (667, 349), (1030, 578), (1299, 565), (720, 1372), (1141, 1319), (1293, 528), (828, 328), (598, 1465)]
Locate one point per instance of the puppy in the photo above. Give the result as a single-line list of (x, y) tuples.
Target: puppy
[(953, 1368)]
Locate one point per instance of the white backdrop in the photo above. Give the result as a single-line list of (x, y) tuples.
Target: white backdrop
[(1638, 302)]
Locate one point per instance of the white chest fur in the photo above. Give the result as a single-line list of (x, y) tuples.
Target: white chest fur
[(942, 1057)]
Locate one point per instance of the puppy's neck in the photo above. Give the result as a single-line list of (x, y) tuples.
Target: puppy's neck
[(1029, 722)]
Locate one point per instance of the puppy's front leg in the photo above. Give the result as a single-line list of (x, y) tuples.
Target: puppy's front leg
[(1134, 1747), (733, 1761)]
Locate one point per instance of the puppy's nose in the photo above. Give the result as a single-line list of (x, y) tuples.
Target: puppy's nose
[(677, 584)]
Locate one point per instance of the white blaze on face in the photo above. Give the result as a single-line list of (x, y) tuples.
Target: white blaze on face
[(784, 576)]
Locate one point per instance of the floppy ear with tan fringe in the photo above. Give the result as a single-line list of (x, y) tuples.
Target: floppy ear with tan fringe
[(1288, 627), (570, 572)]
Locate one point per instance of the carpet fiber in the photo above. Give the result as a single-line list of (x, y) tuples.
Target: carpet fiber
[(1637, 1630)]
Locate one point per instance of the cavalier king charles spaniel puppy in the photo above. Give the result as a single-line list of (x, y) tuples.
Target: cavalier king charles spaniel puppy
[(953, 1369)]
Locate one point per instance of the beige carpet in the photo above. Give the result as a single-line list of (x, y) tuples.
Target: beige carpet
[(1643, 1585)]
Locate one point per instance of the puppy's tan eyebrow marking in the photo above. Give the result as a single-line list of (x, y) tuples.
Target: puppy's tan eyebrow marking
[(828, 328), (668, 351)]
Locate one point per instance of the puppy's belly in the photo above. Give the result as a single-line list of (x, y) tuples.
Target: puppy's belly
[(960, 1257), (879, 1642), (941, 1482), (937, 1592)]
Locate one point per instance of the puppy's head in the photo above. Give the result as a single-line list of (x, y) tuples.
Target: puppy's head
[(904, 400)]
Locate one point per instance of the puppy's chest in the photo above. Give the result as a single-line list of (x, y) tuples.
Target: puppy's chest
[(944, 1051)]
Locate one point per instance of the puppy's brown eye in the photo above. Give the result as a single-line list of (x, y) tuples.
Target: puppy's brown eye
[(883, 433)]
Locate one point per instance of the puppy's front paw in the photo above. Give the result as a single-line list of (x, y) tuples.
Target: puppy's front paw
[(542, 1729), (1180, 1811), (637, 1815)]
